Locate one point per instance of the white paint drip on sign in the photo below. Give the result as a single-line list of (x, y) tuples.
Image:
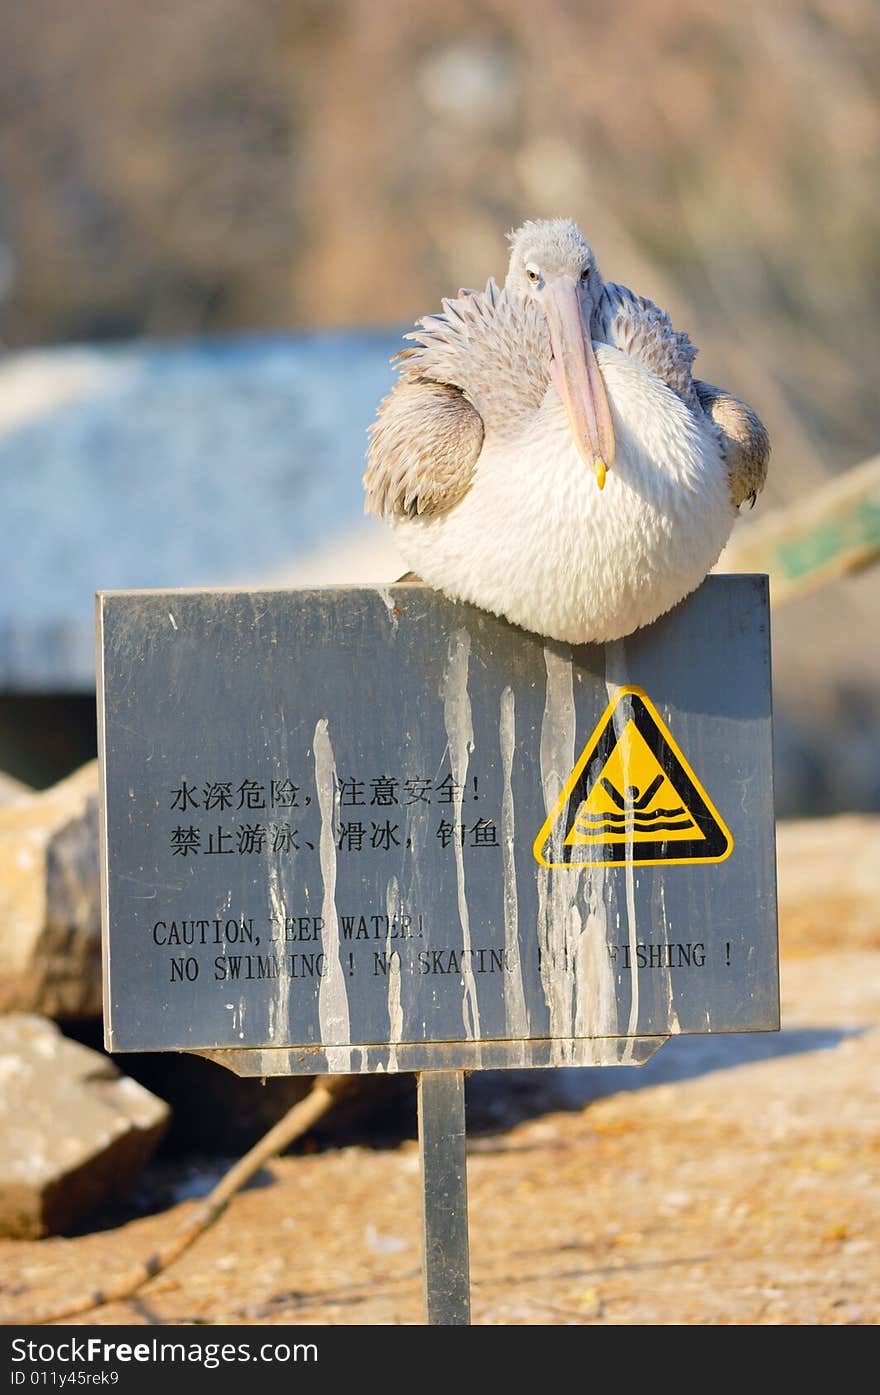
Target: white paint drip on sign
[(460, 736), (673, 1025), (515, 1011), (395, 1004), (615, 679), (559, 920), (279, 1007), (596, 1008), (333, 1015), (388, 600)]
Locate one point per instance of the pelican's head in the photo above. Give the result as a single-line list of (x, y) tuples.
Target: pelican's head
[(552, 264)]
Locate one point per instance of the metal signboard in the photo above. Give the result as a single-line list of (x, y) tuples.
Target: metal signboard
[(365, 829)]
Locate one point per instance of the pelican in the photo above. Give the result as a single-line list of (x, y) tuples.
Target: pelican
[(548, 455)]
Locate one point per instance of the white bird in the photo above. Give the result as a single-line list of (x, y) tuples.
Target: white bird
[(547, 454)]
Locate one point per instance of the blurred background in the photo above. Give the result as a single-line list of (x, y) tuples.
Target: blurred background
[(217, 217), (255, 171)]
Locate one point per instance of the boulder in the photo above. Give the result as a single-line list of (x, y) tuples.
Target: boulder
[(74, 1132), (50, 905), (13, 791)]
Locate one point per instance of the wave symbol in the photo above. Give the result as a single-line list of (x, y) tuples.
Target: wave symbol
[(633, 816)]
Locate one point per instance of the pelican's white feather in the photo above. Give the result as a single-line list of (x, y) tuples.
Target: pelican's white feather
[(474, 462), (535, 540)]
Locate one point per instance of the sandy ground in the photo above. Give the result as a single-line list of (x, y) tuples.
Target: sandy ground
[(731, 1180)]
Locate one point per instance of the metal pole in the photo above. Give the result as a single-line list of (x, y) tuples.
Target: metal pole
[(444, 1190)]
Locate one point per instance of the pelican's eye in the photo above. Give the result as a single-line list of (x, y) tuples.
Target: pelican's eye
[(585, 274), (533, 274)]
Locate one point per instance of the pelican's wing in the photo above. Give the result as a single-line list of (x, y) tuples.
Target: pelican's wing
[(424, 446), (493, 347), (642, 330), (743, 437), (481, 365)]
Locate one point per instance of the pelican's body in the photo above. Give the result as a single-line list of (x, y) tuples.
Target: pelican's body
[(556, 555), (478, 458)]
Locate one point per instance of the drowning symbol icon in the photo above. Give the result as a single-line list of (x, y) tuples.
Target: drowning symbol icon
[(635, 817), (632, 797)]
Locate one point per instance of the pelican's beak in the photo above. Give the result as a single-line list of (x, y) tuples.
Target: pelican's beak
[(577, 378)]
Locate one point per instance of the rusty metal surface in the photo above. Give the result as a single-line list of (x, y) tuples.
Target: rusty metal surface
[(320, 814)]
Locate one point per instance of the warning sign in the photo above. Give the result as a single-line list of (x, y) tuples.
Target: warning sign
[(632, 797)]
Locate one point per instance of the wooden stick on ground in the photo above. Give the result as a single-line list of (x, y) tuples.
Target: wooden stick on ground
[(297, 1121)]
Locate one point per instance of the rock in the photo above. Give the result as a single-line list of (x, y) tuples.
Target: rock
[(50, 906), (829, 882), (12, 791), (73, 1131)]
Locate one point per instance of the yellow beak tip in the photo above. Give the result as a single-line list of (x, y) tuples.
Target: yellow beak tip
[(599, 467)]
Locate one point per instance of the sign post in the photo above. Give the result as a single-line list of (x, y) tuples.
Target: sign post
[(444, 1192), (365, 829)]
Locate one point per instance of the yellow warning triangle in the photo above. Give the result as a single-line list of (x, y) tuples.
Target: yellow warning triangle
[(632, 797)]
